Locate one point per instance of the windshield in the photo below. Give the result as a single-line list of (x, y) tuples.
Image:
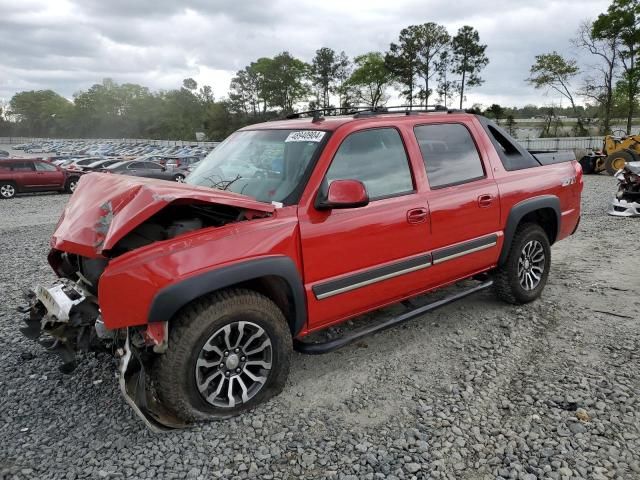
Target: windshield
[(267, 165)]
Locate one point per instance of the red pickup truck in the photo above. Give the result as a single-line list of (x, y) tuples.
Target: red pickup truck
[(19, 175), (286, 228)]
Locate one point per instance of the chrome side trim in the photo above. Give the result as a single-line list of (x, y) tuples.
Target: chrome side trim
[(371, 281), (465, 252)]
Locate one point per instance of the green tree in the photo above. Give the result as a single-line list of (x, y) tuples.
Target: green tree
[(370, 79), (599, 84), (468, 58), (41, 112), (244, 91), (284, 82), (433, 40), (446, 87), (552, 71), (190, 84), (511, 125), (325, 73), (495, 111), (622, 21), (403, 60)]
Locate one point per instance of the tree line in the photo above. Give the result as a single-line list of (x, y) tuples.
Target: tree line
[(611, 79), (425, 65)]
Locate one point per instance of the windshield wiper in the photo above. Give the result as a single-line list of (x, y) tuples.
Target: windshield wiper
[(222, 184), (229, 182)]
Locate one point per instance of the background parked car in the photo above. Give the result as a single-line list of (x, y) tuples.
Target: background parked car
[(181, 161), (100, 164), (147, 169), (4, 153), (33, 175)]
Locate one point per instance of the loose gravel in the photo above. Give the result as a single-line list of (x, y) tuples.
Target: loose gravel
[(478, 389)]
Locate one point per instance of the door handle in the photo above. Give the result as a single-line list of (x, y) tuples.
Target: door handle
[(417, 215), (485, 200)]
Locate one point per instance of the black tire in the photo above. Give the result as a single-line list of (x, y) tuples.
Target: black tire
[(506, 280), (174, 372), (7, 190), (179, 178), (615, 159), (588, 164), (71, 184)]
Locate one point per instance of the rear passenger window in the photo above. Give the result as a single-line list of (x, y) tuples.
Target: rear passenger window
[(377, 158), (45, 167), (449, 154), (23, 167)]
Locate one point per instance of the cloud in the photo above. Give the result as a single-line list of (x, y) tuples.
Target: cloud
[(68, 45)]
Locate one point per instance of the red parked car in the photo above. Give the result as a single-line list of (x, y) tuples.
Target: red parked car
[(286, 228), (28, 175)]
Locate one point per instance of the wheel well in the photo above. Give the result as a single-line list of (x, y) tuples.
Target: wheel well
[(273, 287), (278, 291), (546, 218), (10, 182)]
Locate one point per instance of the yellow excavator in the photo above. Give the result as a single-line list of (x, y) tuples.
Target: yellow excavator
[(616, 151)]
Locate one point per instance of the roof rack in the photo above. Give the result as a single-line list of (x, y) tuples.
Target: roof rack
[(359, 112)]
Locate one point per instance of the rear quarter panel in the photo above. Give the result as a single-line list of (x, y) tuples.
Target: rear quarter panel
[(563, 180)]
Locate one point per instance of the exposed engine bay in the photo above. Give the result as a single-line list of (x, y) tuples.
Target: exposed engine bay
[(626, 202)]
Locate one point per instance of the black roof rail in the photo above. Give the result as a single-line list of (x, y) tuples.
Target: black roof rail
[(360, 112), (318, 113)]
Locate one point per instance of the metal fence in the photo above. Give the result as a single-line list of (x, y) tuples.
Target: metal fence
[(561, 143), (165, 143)]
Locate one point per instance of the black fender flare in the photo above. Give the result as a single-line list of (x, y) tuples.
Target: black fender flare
[(519, 210), (173, 297)]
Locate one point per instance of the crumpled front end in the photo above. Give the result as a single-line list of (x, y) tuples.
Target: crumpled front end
[(108, 217), (626, 202), (66, 319)]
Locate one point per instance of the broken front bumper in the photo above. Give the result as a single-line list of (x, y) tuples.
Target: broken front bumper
[(65, 319), (624, 208)]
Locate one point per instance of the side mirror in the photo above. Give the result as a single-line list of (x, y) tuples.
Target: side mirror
[(344, 194)]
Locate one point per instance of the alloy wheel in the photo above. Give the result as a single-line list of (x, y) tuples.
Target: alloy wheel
[(531, 265), (234, 364), (7, 191)]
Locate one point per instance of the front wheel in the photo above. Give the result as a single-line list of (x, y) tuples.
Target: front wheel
[(7, 190), (227, 353), (523, 275), (179, 178)]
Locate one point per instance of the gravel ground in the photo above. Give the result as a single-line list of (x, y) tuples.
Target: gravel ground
[(478, 389)]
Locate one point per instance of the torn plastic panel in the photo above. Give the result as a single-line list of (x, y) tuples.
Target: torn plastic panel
[(626, 202)]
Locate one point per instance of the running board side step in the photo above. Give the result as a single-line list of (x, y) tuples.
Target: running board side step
[(329, 346)]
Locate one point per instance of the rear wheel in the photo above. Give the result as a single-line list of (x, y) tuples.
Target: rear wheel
[(523, 276), (227, 353), (179, 178), (616, 161), (71, 185), (7, 190)]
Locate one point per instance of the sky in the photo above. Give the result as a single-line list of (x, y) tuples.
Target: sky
[(68, 45)]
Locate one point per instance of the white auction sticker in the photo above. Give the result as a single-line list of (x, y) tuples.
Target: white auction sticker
[(305, 136)]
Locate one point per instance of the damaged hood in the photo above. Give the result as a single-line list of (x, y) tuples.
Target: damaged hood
[(105, 207)]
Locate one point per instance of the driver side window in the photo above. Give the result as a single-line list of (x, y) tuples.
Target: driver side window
[(378, 159)]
